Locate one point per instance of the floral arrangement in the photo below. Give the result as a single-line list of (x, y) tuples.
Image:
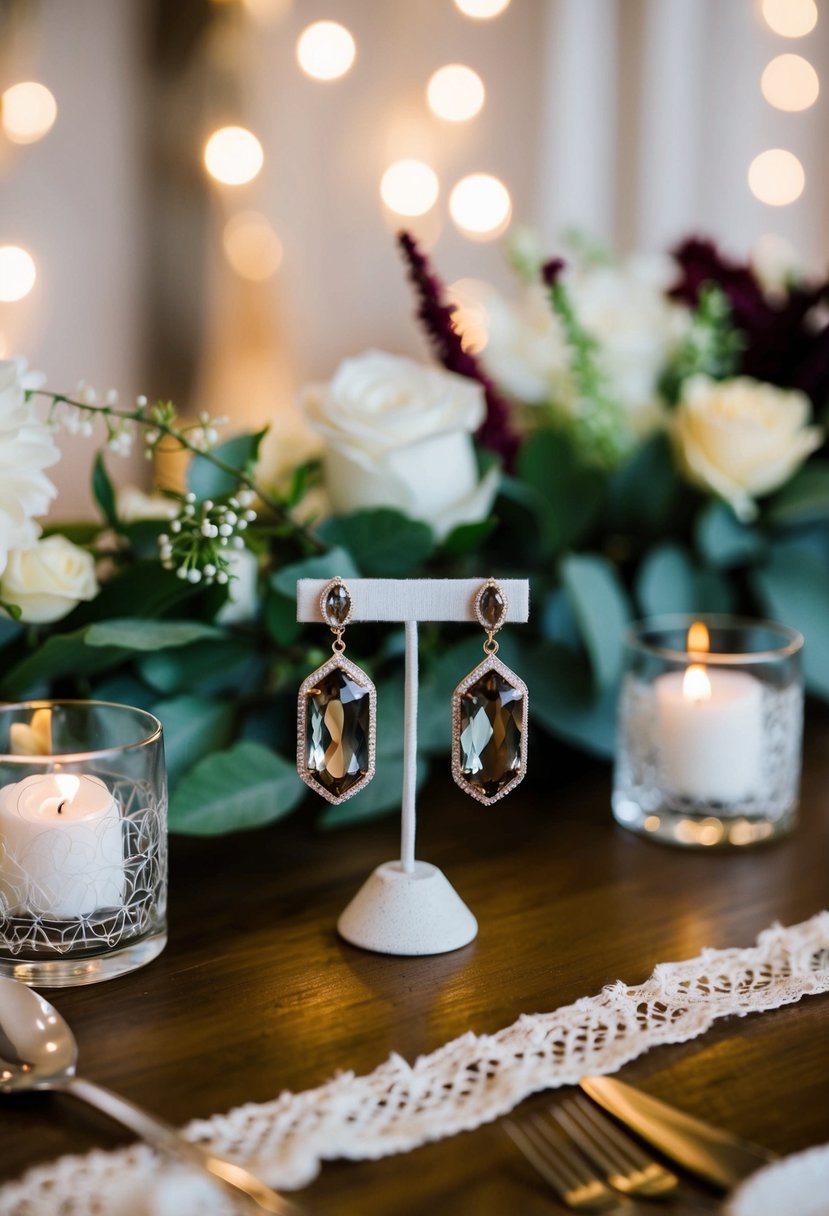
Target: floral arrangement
[(637, 436)]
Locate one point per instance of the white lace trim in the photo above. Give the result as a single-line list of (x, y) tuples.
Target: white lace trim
[(470, 1081)]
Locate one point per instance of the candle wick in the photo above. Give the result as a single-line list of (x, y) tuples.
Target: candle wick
[(61, 805)]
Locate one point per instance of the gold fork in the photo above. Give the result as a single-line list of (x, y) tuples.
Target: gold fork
[(560, 1163), (626, 1167)]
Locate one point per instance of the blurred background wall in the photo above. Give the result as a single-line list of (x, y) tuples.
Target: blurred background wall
[(636, 121)]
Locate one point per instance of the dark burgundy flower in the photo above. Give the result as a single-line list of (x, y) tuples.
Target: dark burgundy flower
[(551, 271), (496, 433), (781, 344)]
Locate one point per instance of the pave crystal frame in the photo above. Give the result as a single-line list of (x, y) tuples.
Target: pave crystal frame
[(490, 663), (338, 662)]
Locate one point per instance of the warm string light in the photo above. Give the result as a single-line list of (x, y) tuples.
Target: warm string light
[(790, 18), (251, 246), (482, 10), (233, 156), (326, 50), (17, 273), (29, 111), (409, 187), (776, 177), (789, 82), (480, 206), (455, 93)]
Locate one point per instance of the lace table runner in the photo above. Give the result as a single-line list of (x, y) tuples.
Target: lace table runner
[(468, 1082)]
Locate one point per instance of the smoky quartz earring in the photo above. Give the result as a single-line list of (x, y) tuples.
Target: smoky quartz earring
[(489, 713), (336, 712)]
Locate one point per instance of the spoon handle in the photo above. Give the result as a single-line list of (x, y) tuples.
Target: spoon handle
[(165, 1137)]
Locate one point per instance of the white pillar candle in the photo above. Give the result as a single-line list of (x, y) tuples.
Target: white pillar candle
[(710, 733), (61, 847)]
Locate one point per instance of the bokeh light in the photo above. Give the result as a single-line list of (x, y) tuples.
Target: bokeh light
[(251, 246), (790, 18), (409, 187), (233, 156), (29, 112), (789, 82), (455, 93), (17, 273), (481, 206), (325, 50), (481, 10), (776, 177)]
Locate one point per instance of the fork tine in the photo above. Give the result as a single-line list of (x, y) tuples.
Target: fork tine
[(606, 1128), (536, 1157), (602, 1154)]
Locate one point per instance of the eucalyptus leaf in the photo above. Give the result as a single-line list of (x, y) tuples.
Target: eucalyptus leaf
[(669, 580), (569, 494), (564, 700), (207, 668), (645, 492), (206, 481), (601, 607), (723, 541), (135, 633), (244, 787), (62, 654), (793, 587), (324, 566), (467, 538), (194, 727), (384, 543)]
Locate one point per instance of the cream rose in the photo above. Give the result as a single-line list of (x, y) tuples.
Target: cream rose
[(49, 579), (742, 438), (399, 434)]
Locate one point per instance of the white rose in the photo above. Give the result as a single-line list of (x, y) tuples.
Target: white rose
[(624, 306), (49, 579), (26, 449), (399, 434), (742, 438), (526, 351)]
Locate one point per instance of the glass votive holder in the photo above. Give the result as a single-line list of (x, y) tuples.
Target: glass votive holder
[(83, 841), (710, 730)]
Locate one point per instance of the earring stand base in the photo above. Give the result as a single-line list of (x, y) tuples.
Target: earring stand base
[(399, 912)]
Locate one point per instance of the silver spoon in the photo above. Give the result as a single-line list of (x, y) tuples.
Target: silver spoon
[(38, 1051)]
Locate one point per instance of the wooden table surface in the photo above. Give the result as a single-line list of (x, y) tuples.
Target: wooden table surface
[(255, 992)]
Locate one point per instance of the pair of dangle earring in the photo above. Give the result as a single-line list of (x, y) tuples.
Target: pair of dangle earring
[(489, 713), (336, 713)]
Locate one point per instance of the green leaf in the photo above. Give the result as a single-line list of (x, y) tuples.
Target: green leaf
[(208, 668), (62, 654), (723, 541), (327, 565), (134, 633), (645, 492), (280, 619), (467, 538), (669, 581), (569, 494), (206, 481), (804, 499), (13, 610), (384, 543), (602, 610), (382, 794), (103, 492), (565, 700), (793, 587), (146, 583), (193, 728), (244, 787)]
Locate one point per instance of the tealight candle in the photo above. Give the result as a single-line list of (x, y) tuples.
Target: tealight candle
[(711, 728), (61, 847)]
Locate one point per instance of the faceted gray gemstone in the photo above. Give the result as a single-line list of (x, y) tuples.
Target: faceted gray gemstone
[(491, 725), (337, 605), (337, 732), (492, 607)]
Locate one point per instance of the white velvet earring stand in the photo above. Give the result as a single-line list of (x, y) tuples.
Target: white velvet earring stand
[(408, 906)]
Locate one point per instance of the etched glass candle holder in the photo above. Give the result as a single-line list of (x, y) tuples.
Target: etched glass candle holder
[(710, 730), (83, 841)]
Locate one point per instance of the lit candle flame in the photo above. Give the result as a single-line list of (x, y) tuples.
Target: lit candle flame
[(698, 639), (68, 786), (696, 686)]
